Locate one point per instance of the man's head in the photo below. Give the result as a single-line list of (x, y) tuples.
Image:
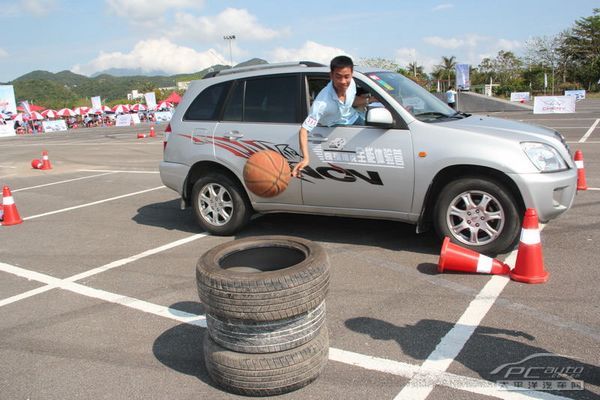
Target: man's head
[(341, 68)]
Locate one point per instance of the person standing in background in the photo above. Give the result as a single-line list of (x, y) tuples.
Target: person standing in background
[(451, 97)]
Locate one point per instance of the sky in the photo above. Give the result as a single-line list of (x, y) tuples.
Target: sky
[(184, 36)]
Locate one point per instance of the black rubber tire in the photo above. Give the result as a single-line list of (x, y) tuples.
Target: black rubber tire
[(265, 278), (266, 337), (241, 209), (266, 374), (508, 235)]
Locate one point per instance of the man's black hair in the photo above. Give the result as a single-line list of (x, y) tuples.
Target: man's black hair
[(341, 62)]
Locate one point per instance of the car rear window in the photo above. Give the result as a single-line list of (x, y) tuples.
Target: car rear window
[(206, 105), (265, 99)]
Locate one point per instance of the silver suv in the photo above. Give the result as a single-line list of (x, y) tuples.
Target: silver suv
[(416, 160)]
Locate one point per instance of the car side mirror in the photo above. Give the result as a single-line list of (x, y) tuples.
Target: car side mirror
[(380, 117)]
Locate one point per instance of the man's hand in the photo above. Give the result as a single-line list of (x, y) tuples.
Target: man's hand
[(297, 171)]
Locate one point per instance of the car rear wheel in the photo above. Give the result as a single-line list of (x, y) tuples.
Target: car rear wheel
[(478, 214), (220, 205)]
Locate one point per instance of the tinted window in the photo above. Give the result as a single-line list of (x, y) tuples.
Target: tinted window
[(234, 107), (205, 107), (272, 99)]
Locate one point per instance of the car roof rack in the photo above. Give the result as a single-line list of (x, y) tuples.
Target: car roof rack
[(260, 67)]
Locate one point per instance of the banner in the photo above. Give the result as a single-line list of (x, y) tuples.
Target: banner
[(7, 129), (150, 100), (8, 105), (123, 120), (554, 104), (579, 94), (163, 116), (463, 82), (54, 126), (96, 103), (135, 118), (518, 96), (25, 105)]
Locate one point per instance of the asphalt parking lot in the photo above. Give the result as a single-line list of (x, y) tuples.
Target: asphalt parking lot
[(98, 296)]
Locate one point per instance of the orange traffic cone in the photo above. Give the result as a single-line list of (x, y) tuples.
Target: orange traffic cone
[(141, 135), (529, 267), (581, 183), (11, 215), (456, 258), (152, 134), (36, 164), (45, 161)]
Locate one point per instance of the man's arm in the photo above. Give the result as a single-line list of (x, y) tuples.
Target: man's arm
[(361, 101), (303, 140)]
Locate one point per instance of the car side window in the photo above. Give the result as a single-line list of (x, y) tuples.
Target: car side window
[(205, 106), (272, 99), (235, 104), (315, 85)]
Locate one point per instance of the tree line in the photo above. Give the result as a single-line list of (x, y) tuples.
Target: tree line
[(550, 64)]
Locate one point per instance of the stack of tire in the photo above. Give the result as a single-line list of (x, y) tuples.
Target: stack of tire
[(265, 313)]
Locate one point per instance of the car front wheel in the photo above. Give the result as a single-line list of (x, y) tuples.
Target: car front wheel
[(220, 205), (478, 214)]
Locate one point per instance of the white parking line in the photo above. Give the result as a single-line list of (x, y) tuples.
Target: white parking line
[(566, 127), (59, 182), (454, 341), (589, 132), (103, 268), (91, 204), (431, 376), (119, 171), (141, 305), (555, 119), (451, 344), (120, 144)]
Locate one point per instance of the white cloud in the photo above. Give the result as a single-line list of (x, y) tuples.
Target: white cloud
[(472, 41), (232, 21), (153, 55), (3, 53), (471, 48), (405, 56), (508, 45), (310, 51), (444, 6), (140, 11), (445, 43), (38, 7)]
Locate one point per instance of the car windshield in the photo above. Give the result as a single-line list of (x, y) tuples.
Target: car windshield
[(419, 102)]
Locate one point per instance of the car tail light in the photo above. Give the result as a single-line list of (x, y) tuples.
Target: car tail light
[(167, 132)]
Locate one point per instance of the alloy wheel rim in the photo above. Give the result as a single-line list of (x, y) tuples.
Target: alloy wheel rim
[(216, 204), (475, 218)]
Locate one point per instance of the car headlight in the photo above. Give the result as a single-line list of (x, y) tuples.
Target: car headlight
[(544, 157)]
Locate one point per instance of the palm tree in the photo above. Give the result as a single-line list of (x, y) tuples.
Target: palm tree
[(414, 69), (446, 68)]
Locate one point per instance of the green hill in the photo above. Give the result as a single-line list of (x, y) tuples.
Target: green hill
[(67, 89)]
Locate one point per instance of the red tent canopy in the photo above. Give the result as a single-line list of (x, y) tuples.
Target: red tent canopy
[(173, 98), (32, 107)]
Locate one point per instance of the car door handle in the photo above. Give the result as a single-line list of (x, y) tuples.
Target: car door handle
[(314, 138), (233, 135)]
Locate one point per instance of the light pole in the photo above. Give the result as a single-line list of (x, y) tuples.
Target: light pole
[(229, 38)]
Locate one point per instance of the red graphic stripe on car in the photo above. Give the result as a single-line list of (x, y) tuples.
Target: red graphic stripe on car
[(233, 150)]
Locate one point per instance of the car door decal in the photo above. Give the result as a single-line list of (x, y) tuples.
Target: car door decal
[(245, 149), (365, 156)]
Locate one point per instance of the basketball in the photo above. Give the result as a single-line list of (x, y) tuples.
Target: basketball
[(267, 173)]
